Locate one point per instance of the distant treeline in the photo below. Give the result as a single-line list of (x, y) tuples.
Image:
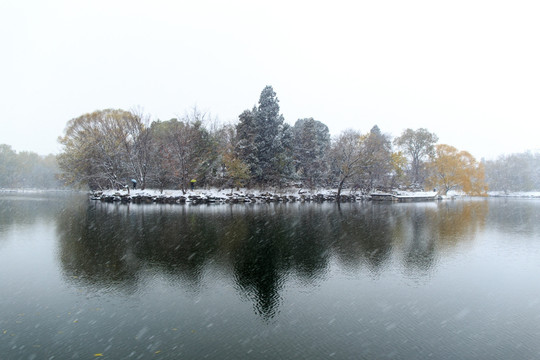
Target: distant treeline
[(27, 170), (515, 172)]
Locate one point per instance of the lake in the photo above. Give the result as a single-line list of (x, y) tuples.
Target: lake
[(434, 280)]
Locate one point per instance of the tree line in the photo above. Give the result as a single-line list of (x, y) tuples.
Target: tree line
[(514, 172), (108, 148), (27, 169)]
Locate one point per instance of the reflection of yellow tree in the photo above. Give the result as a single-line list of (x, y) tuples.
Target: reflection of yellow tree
[(451, 169), (456, 222), (424, 230)]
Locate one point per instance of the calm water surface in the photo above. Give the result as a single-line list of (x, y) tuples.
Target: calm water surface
[(436, 280)]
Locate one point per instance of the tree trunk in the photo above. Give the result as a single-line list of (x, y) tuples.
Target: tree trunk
[(340, 186)]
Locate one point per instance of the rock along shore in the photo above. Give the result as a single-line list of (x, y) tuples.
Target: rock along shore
[(215, 197)]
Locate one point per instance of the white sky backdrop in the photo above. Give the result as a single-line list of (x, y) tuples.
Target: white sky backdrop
[(468, 71)]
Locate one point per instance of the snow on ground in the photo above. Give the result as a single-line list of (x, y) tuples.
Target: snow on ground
[(223, 193), (217, 193), (420, 194)]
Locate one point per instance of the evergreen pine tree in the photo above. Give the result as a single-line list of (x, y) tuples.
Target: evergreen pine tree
[(245, 148), (268, 123)]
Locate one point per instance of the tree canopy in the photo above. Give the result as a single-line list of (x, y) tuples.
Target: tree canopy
[(418, 146), (109, 148), (452, 169)]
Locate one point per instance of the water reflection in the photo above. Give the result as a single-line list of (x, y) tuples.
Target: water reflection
[(258, 248), (96, 247), (429, 229), (27, 208), (516, 216)]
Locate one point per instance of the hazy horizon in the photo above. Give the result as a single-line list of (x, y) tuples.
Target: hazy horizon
[(467, 70)]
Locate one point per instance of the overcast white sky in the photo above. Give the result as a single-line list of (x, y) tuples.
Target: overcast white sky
[(468, 71)]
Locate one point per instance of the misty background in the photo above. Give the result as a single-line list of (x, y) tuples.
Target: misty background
[(465, 70)]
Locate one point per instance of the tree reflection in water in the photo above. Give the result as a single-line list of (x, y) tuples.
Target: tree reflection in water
[(259, 247)]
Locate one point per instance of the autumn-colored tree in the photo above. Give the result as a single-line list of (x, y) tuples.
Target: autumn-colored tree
[(399, 166), (451, 169), (232, 170), (235, 169)]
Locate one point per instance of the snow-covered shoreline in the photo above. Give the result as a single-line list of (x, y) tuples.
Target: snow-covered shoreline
[(205, 196), (199, 196)]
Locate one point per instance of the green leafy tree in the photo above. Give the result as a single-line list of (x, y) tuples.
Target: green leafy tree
[(418, 145), (264, 141), (311, 145), (375, 166), (268, 137), (245, 148), (285, 158)]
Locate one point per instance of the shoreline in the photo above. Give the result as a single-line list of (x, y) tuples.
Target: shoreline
[(216, 196), (251, 196)]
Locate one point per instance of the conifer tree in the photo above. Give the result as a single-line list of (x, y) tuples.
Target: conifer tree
[(245, 148), (311, 144), (268, 123), (264, 141)]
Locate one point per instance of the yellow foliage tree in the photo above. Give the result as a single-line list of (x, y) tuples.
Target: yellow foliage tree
[(451, 169), (399, 165)]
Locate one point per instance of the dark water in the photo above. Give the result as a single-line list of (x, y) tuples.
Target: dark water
[(447, 280)]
